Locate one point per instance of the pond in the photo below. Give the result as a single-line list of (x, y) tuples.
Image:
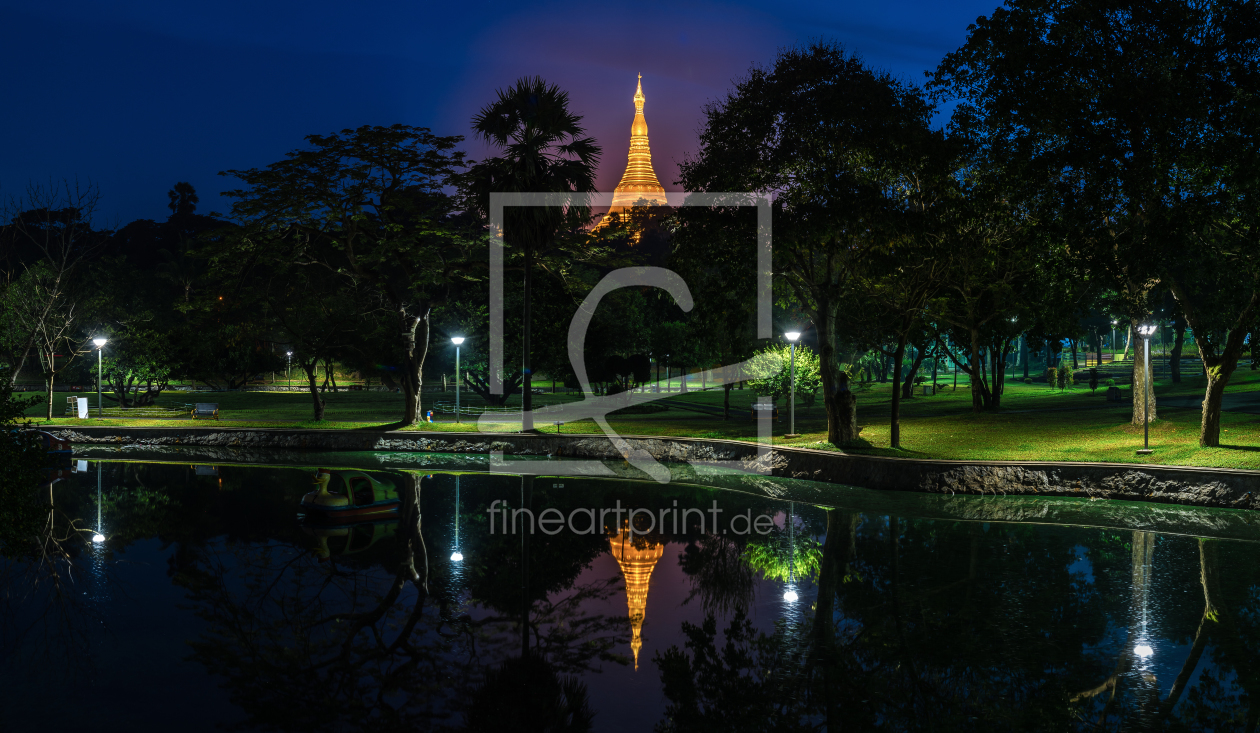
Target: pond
[(746, 603)]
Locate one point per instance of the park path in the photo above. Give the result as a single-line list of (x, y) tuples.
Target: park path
[(1248, 402)]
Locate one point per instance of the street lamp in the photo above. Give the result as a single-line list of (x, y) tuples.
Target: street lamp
[(792, 336), (1146, 330), (1113, 339), (288, 368), (457, 340), (100, 346)]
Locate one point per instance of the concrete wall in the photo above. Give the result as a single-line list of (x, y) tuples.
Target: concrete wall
[(1209, 487)]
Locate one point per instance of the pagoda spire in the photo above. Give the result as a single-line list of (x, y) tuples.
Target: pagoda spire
[(639, 181)]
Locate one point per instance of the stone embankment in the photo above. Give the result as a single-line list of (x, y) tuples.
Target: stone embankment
[(1208, 487)]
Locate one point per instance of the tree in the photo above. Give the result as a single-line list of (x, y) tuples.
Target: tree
[(370, 205), (49, 229), (713, 248), (542, 148), (770, 371), (1116, 116), (834, 141)]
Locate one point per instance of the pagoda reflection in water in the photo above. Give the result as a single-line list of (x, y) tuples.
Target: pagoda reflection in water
[(637, 557)]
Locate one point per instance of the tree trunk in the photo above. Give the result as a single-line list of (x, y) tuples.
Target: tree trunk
[(979, 395), (898, 356), (726, 400), (907, 388), (1218, 370), (1179, 340), (527, 382), (313, 382), (1208, 578), (1075, 364), (838, 401), (997, 384), (829, 579), (1128, 342), (1023, 347), (412, 374), (51, 377), (1141, 383)]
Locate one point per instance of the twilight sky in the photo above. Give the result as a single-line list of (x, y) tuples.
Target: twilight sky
[(139, 94)]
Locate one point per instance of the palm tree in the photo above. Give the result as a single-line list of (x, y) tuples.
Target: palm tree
[(542, 148)]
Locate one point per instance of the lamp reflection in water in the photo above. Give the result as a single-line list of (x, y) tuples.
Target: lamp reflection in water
[(98, 537), (456, 556), (790, 595)]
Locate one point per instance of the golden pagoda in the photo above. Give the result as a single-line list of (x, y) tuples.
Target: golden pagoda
[(636, 567), (639, 181)]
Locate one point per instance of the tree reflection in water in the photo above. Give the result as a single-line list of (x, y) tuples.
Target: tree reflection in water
[(903, 623), (922, 625), (388, 638)]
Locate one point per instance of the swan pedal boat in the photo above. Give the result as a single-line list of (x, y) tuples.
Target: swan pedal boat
[(350, 494)]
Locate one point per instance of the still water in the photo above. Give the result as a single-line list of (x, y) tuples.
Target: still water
[(209, 604)]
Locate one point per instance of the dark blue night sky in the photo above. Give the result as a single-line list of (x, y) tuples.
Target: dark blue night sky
[(138, 95)]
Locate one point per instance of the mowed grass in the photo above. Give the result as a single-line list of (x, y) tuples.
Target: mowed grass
[(1036, 423)]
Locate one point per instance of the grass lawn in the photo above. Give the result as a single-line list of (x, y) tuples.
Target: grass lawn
[(1037, 423)]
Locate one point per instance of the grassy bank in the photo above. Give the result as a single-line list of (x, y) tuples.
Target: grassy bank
[(1036, 423)]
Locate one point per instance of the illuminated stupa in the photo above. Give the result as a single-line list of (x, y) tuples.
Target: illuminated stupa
[(639, 181), (636, 567)]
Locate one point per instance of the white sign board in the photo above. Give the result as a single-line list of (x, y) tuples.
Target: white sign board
[(83, 408)]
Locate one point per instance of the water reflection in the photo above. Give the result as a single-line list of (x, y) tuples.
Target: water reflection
[(899, 622)]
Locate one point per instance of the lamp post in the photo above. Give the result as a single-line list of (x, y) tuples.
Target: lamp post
[(1113, 339), (792, 336), (1146, 330), (457, 340), (100, 347), (288, 368)]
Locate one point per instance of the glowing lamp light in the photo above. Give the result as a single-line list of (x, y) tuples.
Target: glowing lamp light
[(99, 342), (1143, 650), (792, 335), (98, 538), (457, 340), (456, 557), (790, 596)]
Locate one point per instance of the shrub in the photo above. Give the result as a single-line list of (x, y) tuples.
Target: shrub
[(1093, 380), (1064, 377), (920, 379), (1027, 380), (1052, 376), (1110, 382)]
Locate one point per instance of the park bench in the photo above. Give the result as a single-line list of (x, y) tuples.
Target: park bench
[(206, 409)]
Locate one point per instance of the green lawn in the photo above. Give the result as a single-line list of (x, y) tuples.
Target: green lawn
[(1037, 423)]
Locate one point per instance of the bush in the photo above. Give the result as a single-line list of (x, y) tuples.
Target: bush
[(1027, 380), (1064, 377), (920, 379), (1110, 382), (1093, 380), (1052, 377)]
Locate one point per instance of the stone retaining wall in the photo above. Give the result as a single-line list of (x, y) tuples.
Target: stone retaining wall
[(1231, 488)]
